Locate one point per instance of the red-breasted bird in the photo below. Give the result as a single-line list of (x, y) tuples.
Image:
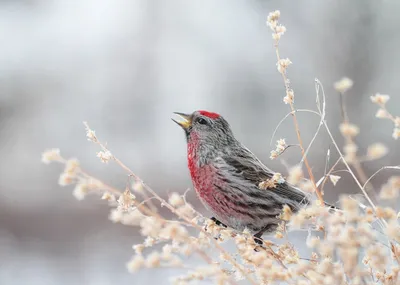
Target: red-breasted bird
[(226, 177)]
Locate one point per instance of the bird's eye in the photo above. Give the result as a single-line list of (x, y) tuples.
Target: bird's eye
[(202, 121)]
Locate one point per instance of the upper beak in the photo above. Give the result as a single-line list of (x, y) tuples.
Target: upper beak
[(185, 120)]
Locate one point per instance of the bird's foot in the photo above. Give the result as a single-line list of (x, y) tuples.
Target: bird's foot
[(259, 241), (218, 223)]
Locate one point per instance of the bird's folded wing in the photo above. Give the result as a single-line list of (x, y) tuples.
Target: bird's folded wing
[(245, 165)]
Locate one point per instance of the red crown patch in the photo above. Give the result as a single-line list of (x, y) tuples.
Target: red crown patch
[(209, 114)]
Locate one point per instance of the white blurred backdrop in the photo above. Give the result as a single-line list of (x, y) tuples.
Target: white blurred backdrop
[(124, 66)]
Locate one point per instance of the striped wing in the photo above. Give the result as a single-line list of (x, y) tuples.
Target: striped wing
[(244, 168)]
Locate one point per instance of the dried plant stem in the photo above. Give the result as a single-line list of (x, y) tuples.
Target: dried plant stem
[(93, 138), (149, 212), (349, 168), (173, 210), (363, 176), (285, 117), (343, 159), (379, 170), (296, 125), (390, 116), (329, 173), (349, 140), (108, 187), (342, 238)]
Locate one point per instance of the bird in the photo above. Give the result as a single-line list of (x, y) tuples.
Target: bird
[(226, 177)]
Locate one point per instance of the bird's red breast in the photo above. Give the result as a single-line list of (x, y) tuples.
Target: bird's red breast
[(203, 176), (206, 181)]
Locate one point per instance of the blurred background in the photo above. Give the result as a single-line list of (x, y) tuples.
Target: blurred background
[(124, 66)]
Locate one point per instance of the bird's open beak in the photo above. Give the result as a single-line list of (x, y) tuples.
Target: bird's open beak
[(185, 120)]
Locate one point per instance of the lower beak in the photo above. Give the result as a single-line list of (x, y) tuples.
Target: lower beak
[(185, 120)]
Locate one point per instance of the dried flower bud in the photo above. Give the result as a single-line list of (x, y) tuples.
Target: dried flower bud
[(289, 98), (108, 197), (271, 183), (394, 181), (295, 175), (276, 37), (278, 178), (388, 192), (376, 151), (51, 155), (71, 166), (149, 241), (66, 179), (153, 260), (105, 156), (267, 184), (135, 263), (391, 189), (280, 30), (283, 64), (343, 85), (396, 133), (280, 147), (349, 205), (334, 179), (349, 130), (274, 16), (393, 231), (386, 213), (138, 248), (90, 134), (382, 114), (137, 187), (150, 226), (126, 201), (272, 19), (186, 210), (350, 148), (174, 231), (176, 200), (380, 99), (115, 216), (397, 122), (274, 154), (286, 213), (80, 191)]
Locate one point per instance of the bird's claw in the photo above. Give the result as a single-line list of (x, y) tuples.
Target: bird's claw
[(259, 243), (218, 223)]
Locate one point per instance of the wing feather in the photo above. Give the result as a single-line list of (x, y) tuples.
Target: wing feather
[(245, 165)]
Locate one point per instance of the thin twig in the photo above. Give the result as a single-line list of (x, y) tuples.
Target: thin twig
[(350, 171), (379, 170), (296, 125), (322, 112), (328, 157), (349, 139), (329, 173), (173, 210)]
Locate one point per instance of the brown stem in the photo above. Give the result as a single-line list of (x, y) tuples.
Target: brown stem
[(296, 125), (173, 210)]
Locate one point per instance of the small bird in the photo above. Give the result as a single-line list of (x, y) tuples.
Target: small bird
[(226, 177)]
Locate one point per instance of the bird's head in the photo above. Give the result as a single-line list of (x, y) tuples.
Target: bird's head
[(207, 128)]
